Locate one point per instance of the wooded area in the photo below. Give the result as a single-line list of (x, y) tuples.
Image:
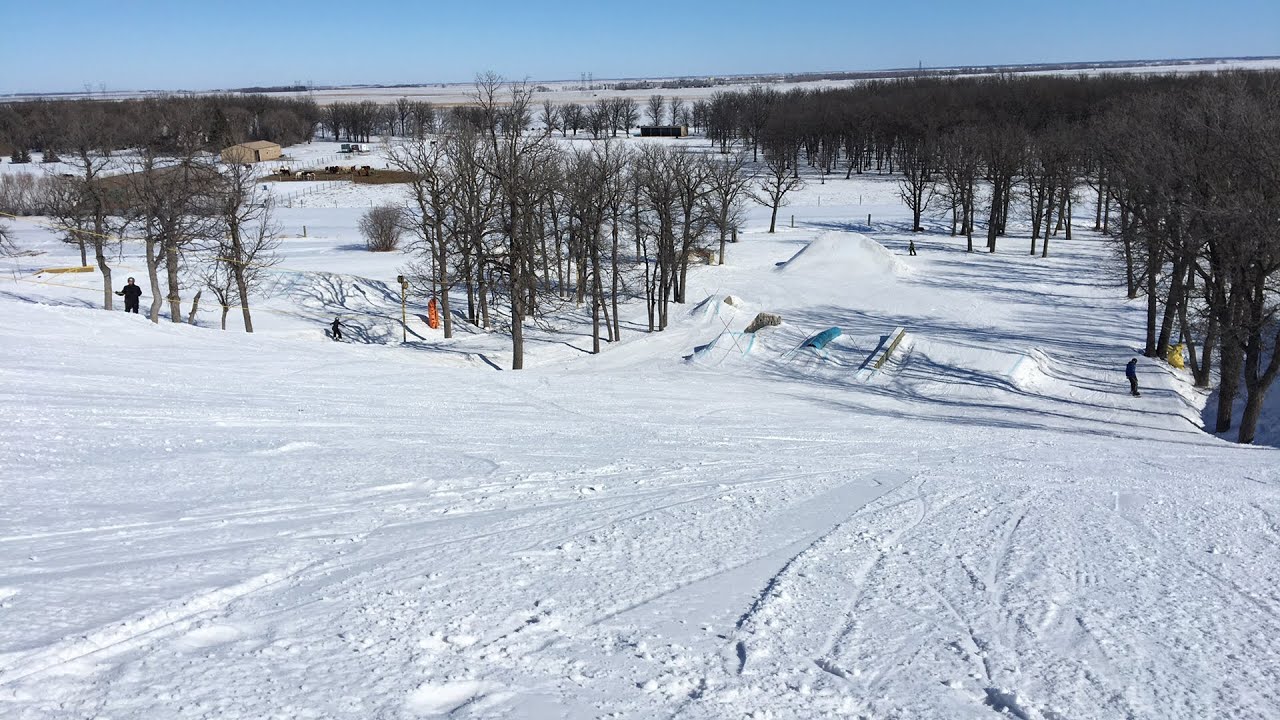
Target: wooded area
[(1181, 173)]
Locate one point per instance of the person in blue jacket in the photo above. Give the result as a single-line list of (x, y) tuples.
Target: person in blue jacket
[(1131, 372)]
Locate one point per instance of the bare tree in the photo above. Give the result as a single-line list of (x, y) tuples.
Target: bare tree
[(917, 161), (679, 112), (249, 235), (550, 117), (775, 183), (430, 189), (727, 180), (1002, 150), (959, 170), (572, 117), (671, 203), (597, 117), (656, 108), (690, 172), (382, 227), (167, 197), (628, 114), (166, 208), (403, 111), (592, 179), (519, 165), (89, 135), (656, 206), (214, 274), (752, 111), (473, 207), (66, 208), (422, 120)]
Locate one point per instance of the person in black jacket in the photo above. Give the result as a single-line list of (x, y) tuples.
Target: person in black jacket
[(1131, 372), (336, 329), (131, 295)]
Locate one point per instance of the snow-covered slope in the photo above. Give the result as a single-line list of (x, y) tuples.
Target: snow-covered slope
[(206, 524)]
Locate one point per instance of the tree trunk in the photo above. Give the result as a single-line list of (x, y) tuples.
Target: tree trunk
[(1229, 380), (195, 305), (649, 300), (1257, 379), (617, 326), (517, 319), (442, 272), (1153, 306), (483, 292), (597, 301), (100, 255), (171, 272), (1048, 218), (1006, 199), (969, 211), (242, 286), (1204, 372), (468, 279), (1126, 236), (1249, 419), (993, 221), (153, 276), (1062, 212), (1097, 219), (1066, 215), (236, 261), (1173, 306), (1037, 214)]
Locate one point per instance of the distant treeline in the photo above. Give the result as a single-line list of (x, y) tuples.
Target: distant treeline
[(169, 123), (671, 84)]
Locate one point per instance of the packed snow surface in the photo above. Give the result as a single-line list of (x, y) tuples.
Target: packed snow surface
[(207, 524)]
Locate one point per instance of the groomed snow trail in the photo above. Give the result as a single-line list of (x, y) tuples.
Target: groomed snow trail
[(202, 524)]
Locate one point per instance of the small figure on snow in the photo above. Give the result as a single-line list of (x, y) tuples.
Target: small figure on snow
[(131, 294), (911, 246), (336, 329), (1131, 372)]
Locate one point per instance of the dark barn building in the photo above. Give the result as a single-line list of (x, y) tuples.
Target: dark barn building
[(676, 131)]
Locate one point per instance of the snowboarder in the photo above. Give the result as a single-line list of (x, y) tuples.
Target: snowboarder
[(336, 329), (131, 294), (1131, 372), (911, 247)]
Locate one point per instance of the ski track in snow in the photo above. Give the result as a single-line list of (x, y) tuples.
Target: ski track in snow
[(203, 524)]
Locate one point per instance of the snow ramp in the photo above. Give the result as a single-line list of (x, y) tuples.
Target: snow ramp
[(843, 253), (722, 314)]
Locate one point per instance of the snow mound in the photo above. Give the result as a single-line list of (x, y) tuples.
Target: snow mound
[(844, 253), (1036, 372), (436, 699)]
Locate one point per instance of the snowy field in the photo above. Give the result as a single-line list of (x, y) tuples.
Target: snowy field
[(561, 92), (207, 524)]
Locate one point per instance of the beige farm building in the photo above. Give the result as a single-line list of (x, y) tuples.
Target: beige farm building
[(251, 152)]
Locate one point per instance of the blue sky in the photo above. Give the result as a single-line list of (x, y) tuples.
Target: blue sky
[(53, 45)]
